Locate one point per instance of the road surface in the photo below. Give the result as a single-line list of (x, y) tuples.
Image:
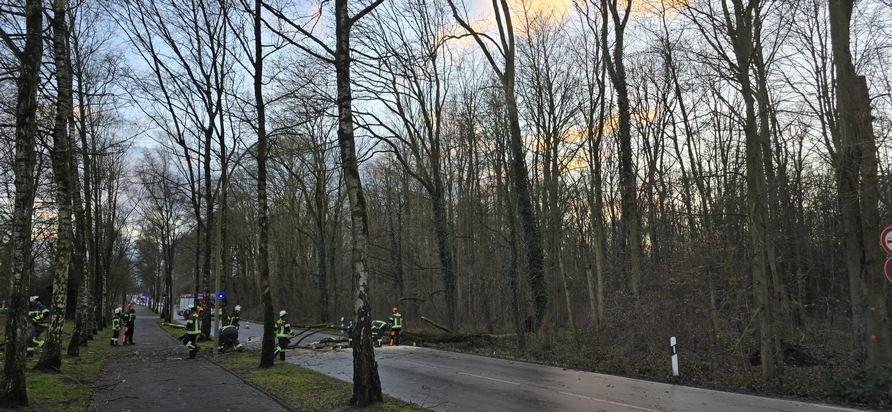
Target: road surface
[(448, 381)]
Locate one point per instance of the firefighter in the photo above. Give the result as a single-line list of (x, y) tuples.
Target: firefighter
[(396, 326), (129, 321), (192, 331), (229, 331), (283, 332), (39, 316), (379, 328), (116, 327), (347, 327)]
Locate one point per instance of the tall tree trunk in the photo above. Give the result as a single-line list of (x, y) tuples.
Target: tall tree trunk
[(631, 231), (741, 35), (12, 381), (321, 206), (210, 229), (366, 383), (83, 242), (778, 300), (51, 358), (268, 346), (529, 223), (594, 137), (444, 245), (856, 173)]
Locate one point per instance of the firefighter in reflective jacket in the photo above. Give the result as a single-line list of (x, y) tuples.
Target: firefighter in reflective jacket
[(379, 328), (229, 331), (129, 321), (39, 316), (283, 332), (396, 326), (116, 327), (192, 331)]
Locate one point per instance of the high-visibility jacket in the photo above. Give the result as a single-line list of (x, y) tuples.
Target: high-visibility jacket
[(283, 328), (377, 325), (192, 324), (130, 317), (39, 314), (231, 321), (116, 323), (396, 321)]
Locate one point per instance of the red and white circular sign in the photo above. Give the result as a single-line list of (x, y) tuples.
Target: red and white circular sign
[(887, 269), (886, 240)]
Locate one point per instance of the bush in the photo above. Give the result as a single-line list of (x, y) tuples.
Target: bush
[(872, 386)]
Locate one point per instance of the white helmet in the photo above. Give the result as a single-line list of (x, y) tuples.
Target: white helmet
[(117, 311), (190, 307), (238, 308), (282, 313), (33, 299)]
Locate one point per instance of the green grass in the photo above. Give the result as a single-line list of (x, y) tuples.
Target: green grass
[(69, 390), (298, 388)]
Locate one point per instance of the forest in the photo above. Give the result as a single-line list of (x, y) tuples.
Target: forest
[(564, 181)]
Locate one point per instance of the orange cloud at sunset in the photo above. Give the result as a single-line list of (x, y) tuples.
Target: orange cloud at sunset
[(556, 8)]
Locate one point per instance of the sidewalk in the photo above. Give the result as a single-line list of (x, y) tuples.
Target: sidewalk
[(156, 374)]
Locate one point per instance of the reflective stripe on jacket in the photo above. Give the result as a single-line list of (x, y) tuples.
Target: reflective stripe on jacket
[(192, 325), (396, 321), (231, 321), (283, 328)]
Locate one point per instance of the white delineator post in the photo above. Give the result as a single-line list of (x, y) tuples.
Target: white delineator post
[(674, 357)]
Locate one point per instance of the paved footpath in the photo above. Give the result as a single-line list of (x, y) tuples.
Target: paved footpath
[(156, 374)]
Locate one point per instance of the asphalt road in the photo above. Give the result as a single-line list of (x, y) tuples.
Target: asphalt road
[(447, 381), (251, 333)]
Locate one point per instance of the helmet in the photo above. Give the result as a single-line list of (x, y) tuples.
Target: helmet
[(282, 313), (117, 311), (238, 308), (190, 307), (395, 309), (33, 299)]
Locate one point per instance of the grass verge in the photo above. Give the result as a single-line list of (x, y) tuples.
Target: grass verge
[(71, 388), (297, 388)]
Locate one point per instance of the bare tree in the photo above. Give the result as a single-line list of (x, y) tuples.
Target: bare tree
[(858, 193), (738, 22), (191, 69), (505, 71), (164, 212), (548, 85), (366, 383), (51, 358), (12, 380), (409, 42), (615, 14)]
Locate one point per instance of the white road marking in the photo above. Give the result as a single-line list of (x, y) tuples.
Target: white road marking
[(488, 378), (610, 402)]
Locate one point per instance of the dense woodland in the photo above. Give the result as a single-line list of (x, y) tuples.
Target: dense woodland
[(564, 181)]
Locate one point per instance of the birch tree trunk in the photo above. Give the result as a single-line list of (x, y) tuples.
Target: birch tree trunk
[(366, 383), (12, 381), (51, 358)]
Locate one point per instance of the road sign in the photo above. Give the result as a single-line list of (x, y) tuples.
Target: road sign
[(887, 269), (886, 240)]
